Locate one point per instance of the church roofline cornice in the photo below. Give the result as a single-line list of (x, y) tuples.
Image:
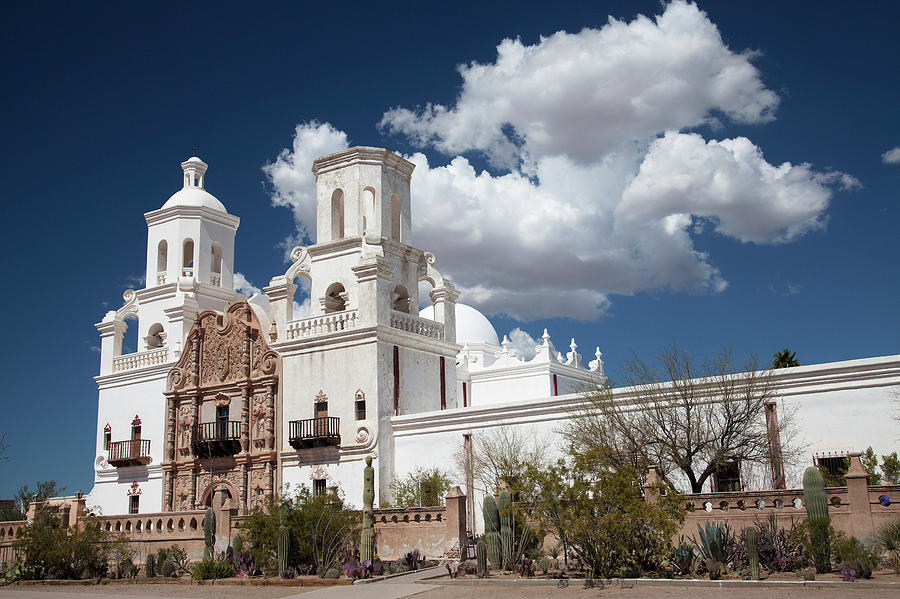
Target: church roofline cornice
[(363, 155), (173, 212)]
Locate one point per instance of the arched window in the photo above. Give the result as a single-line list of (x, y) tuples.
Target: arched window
[(395, 217), (400, 299), (155, 336), (337, 214), (368, 208), (216, 264), (162, 262), (187, 258), (335, 298)]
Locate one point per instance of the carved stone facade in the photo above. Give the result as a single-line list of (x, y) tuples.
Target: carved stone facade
[(220, 402)]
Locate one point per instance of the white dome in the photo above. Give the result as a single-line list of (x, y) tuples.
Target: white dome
[(471, 325), (194, 196)]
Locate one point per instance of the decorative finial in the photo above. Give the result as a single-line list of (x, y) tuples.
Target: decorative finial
[(505, 343), (598, 353), (545, 336), (572, 345)]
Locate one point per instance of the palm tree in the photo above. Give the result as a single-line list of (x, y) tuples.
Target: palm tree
[(785, 359)]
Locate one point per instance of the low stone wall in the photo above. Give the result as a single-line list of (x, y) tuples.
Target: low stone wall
[(855, 510), (150, 532), (434, 531)]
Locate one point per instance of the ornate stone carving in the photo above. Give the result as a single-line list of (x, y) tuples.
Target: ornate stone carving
[(185, 420), (135, 489), (183, 493), (259, 487), (318, 472), (259, 413), (227, 359)]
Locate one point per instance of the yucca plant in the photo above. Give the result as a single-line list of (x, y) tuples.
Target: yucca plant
[(888, 536)]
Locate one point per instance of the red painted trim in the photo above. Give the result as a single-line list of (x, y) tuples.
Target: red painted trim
[(443, 386), (396, 380), (555, 386), (465, 396)]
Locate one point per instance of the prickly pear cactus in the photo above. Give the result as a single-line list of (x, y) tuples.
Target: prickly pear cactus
[(209, 532), (367, 535), (754, 553), (284, 539), (481, 554)]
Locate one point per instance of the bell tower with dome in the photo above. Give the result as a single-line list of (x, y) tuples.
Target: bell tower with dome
[(190, 268)]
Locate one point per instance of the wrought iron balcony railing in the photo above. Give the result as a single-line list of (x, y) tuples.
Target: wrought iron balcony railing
[(314, 432), (129, 453), (214, 439)]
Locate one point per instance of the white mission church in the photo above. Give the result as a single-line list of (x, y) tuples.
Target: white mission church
[(237, 395)]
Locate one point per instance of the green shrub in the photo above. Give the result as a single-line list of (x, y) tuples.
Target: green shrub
[(854, 558), (321, 531), (50, 549), (888, 537), (210, 568)]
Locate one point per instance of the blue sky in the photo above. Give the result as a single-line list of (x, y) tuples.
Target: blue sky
[(712, 176)]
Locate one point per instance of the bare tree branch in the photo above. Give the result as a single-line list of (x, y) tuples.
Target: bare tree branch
[(689, 419)]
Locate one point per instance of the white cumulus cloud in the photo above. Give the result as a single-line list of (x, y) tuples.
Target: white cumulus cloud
[(586, 94), (602, 188), (294, 185), (523, 343), (242, 285), (892, 156)]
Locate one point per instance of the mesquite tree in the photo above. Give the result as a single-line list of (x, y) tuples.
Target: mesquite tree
[(688, 418)]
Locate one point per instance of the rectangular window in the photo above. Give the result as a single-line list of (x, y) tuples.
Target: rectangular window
[(107, 440), (443, 386), (465, 396), (727, 477), (360, 409), (318, 487), (133, 502), (555, 386), (396, 380), (221, 422)]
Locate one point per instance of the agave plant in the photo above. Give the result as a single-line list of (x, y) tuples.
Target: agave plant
[(714, 543)]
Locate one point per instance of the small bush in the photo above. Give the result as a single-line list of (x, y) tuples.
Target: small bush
[(211, 568), (888, 537), (854, 558)]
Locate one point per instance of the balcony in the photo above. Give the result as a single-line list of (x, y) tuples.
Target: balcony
[(315, 432), (318, 326), (216, 439), (135, 452)]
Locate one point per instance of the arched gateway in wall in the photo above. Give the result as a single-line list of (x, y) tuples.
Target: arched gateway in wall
[(220, 413)]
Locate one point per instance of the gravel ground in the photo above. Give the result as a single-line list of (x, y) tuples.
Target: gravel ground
[(150, 591), (648, 592)]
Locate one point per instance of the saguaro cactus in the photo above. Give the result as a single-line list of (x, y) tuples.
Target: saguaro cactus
[(814, 494), (284, 539), (754, 553), (507, 529), (150, 566), (209, 532), (481, 554), (492, 531), (818, 519), (367, 535)]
